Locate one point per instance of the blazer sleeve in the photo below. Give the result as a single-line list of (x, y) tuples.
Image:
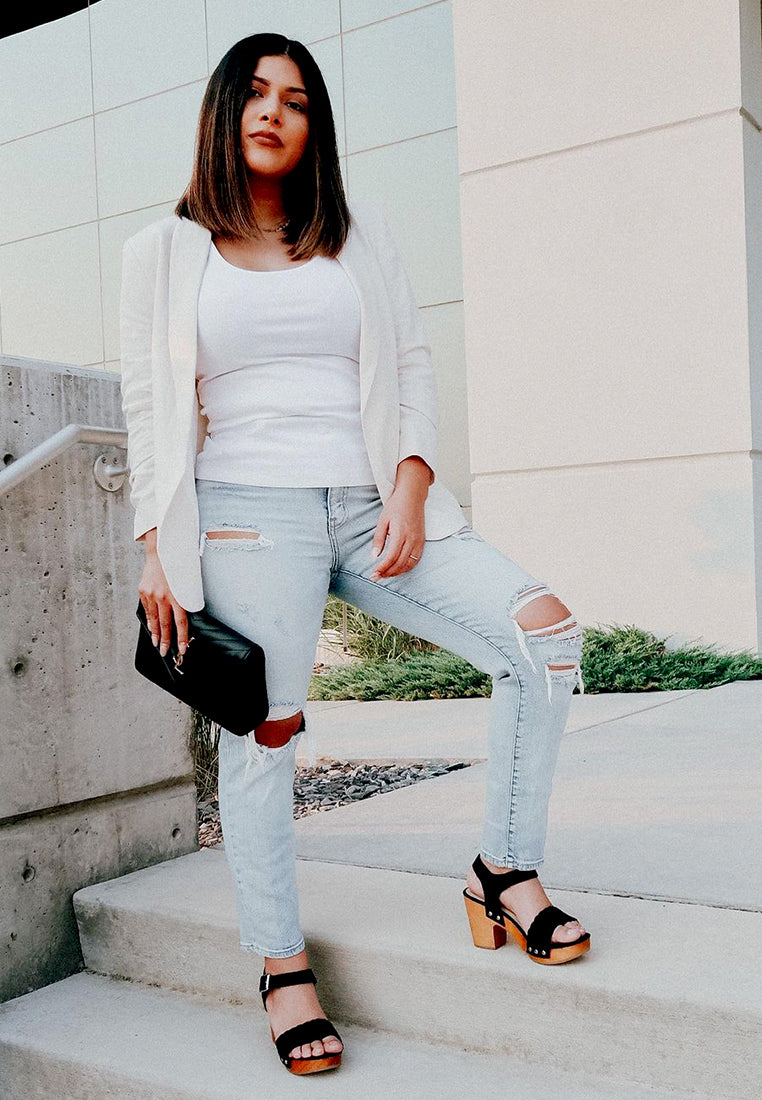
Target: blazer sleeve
[(419, 415), (135, 328)]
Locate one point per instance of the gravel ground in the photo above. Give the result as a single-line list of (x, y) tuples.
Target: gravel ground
[(335, 783)]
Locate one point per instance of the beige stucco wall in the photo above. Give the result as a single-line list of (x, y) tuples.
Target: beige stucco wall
[(609, 161)]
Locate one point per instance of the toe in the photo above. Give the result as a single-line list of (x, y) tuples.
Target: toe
[(569, 931), (317, 1047), (333, 1045)]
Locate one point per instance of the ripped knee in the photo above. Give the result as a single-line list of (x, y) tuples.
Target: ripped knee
[(276, 732), (538, 615)]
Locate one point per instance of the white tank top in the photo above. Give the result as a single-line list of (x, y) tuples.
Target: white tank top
[(278, 375)]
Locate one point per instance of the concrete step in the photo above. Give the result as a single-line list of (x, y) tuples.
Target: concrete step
[(95, 1038), (667, 997)]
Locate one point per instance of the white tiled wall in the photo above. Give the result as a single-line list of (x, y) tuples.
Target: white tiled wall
[(141, 48), (96, 140), (45, 77), (51, 296), (611, 230)]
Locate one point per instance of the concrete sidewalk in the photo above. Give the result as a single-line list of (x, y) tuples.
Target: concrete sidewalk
[(656, 795), (451, 729)]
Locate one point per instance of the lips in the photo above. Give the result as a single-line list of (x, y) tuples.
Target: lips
[(266, 138)]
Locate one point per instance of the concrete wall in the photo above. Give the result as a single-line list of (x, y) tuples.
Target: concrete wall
[(96, 140), (610, 192), (97, 778)]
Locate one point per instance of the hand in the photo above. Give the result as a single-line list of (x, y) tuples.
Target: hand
[(160, 605), (402, 519)]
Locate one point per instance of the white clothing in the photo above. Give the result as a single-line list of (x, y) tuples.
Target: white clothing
[(162, 268), (278, 375)]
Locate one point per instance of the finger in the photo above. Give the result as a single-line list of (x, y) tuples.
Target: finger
[(181, 619), (407, 562), (152, 618), (165, 619), (412, 561), (379, 538), (392, 551), (403, 563), (394, 555)]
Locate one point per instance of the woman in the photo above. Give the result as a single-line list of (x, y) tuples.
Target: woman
[(283, 318)]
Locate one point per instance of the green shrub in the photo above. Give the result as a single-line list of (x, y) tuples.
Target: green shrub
[(368, 636), (614, 658), (433, 675), (625, 658)]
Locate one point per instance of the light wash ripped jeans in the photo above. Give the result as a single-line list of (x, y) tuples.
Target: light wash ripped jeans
[(462, 595)]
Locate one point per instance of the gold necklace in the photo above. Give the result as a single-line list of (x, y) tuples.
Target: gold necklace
[(276, 228)]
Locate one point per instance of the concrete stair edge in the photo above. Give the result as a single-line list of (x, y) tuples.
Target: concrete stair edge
[(649, 1024), (89, 1037)]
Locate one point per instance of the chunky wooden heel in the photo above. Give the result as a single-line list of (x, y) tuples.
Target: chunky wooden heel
[(483, 932), (491, 922)]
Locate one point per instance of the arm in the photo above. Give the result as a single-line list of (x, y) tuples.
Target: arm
[(135, 324), (401, 525), (419, 415)]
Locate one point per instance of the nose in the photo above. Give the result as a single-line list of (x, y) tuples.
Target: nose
[(268, 113)]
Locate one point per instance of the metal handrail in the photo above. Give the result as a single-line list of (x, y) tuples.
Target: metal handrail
[(107, 475)]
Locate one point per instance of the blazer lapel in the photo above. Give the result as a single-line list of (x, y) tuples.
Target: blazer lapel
[(189, 252), (361, 269)]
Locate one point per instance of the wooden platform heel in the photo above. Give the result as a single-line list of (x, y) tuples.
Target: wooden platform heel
[(491, 922)]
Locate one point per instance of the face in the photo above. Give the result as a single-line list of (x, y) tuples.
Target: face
[(276, 105)]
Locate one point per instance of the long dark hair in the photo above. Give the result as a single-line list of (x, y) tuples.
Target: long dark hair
[(218, 195)]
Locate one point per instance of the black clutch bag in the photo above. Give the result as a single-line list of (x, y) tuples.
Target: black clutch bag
[(221, 674)]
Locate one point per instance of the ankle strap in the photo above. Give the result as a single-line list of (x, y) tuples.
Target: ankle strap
[(493, 884), (290, 977), (505, 878)]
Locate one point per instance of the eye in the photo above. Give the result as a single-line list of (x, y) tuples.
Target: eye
[(292, 103)]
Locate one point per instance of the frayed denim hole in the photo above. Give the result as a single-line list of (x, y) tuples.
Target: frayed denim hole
[(256, 542), (560, 642), (563, 648), (569, 677), (278, 711), (260, 758)]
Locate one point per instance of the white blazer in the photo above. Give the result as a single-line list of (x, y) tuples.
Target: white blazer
[(162, 268)]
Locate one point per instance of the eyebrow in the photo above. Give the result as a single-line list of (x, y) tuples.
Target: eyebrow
[(262, 79)]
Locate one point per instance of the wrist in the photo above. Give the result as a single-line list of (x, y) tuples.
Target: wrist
[(414, 476), (412, 490), (149, 541)]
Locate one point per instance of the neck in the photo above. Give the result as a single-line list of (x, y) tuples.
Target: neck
[(267, 196)]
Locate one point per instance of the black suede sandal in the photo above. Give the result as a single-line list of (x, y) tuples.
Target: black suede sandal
[(307, 1032), (491, 922)]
